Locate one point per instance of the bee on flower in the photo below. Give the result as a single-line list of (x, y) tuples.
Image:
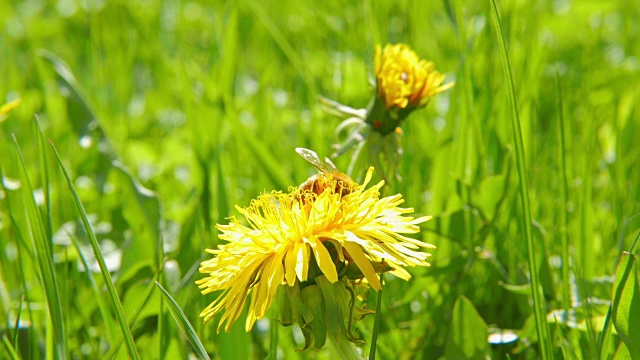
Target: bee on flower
[(309, 248)]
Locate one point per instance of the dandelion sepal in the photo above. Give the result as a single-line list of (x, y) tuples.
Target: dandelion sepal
[(316, 327), (335, 319), (383, 119), (324, 310)]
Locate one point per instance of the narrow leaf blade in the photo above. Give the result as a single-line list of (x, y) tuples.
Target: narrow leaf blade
[(183, 323), (113, 294), (42, 249), (546, 342)]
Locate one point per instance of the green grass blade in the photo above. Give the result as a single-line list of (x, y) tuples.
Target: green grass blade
[(44, 169), (145, 299), (21, 248), (16, 326), (115, 300), (536, 291), (10, 348), (44, 257), (605, 337), (564, 198), (104, 310), (583, 293), (184, 324), (45, 178), (49, 339), (205, 197), (635, 242), (223, 197)]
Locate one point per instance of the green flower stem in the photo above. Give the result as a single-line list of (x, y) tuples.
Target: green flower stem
[(343, 348), (376, 323)]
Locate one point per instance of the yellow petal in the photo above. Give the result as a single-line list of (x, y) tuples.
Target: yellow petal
[(368, 177), (290, 266), (363, 264), (323, 258), (302, 260)]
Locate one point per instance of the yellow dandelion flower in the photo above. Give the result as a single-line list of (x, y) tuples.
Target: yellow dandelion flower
[(403, 79), (291, 234)]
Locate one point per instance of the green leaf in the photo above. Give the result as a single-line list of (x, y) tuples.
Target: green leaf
[(484, 195), (626, 303), (468, 336), (184, 324), (115, 300)]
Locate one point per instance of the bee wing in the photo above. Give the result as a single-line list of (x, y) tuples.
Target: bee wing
[(330, 165), (312, 158)]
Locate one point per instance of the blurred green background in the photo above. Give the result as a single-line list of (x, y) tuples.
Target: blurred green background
[(167, 113)]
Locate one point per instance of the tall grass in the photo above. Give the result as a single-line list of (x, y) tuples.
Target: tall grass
[(539, 308)]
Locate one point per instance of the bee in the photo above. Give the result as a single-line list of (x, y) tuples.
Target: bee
[(329, 175)]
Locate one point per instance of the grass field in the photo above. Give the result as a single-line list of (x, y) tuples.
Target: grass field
[(167, 114)]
